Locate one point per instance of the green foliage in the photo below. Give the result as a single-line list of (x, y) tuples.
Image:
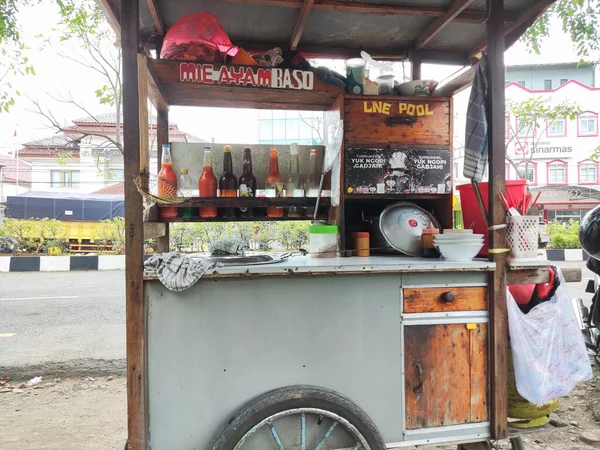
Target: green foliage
[(280, 236), (580, 20), (36, 236), (111, 232), (541, 112), (563, 236)]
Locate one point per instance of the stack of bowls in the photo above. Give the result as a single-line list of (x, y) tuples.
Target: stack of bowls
[(458, 245)]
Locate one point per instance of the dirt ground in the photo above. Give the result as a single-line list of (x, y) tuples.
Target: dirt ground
[(90, 414)]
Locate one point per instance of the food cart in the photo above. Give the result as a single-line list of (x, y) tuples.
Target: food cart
[(348, 352)]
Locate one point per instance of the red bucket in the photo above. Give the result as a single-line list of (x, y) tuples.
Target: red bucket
[(471, 212)]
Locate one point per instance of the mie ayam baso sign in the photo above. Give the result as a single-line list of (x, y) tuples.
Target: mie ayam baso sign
[(246, 76), (402, 108)]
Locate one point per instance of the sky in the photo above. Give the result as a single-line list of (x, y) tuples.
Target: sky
[(55, 76)]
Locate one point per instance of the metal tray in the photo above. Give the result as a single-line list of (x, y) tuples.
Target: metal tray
[(238, 260)]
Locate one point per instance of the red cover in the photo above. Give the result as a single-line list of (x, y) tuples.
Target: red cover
[(196, 37)]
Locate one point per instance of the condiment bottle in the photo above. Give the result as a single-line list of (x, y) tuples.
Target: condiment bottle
[(186, 186), (428, 249), (207, 184), (274, 185), (167, 182), (361, 243), (247, 184), (228, 182), (293, 188), (312, 181)]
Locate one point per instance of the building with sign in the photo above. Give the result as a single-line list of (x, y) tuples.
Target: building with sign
[(555, 158)]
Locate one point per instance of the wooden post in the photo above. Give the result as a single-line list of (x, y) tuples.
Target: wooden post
[(134, 244), (415, 64), (162, 137), (496, 216)]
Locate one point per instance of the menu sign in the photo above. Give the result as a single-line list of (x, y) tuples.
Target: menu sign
[(397, 171)]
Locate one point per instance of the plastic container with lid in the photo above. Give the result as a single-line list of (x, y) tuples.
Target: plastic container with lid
[(323, 241), (361, 243)]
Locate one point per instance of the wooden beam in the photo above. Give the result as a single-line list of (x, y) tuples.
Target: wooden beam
[(144, 149), (134, 231), (391, 54), (415, 64), (497, 215), (457, 84), (473, 16), (159, 26), (154, 230), (162, 137), (155, 90), (112, 14), (438, 25), (300, 23), (523, 21)]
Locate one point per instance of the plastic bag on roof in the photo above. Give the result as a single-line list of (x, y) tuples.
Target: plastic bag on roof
[(549, 354), (196, 37)]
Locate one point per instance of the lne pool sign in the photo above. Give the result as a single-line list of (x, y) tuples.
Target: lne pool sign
[(409, 109), (246, 76)]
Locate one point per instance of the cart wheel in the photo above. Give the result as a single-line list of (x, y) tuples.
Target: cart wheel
[(299, 417), (516, 443)]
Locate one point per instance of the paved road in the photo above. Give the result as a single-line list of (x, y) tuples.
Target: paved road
[(62, 321), (73, 323)]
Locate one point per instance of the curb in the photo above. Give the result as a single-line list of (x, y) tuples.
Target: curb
[(575, 254), (61, 263)]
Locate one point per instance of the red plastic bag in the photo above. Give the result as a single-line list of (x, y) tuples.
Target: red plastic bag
[(196, 37)]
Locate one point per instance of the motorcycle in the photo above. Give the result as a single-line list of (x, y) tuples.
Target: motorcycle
[(589, 329)]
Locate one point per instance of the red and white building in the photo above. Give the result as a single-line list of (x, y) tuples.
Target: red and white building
[(557, 156)]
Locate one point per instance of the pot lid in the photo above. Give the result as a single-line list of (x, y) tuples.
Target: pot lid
[(402, 225)]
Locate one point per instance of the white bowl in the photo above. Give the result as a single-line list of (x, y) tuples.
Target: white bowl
[(459, 241), (455, 231), (453, 236), (417, 87), (459, 253)]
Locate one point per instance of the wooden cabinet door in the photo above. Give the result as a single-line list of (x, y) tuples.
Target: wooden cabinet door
[(445, 370)]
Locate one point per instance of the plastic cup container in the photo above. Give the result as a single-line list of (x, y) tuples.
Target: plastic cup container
[(386, 84), (355, 73), (323, 241)]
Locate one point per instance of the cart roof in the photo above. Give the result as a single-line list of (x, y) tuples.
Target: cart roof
[(450, 31)]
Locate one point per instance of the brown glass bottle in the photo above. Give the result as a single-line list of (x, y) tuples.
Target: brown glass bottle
[(228, 182), (247, 182), (274, 185)]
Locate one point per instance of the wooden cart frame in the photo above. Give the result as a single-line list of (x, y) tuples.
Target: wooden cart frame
[(142, 25)]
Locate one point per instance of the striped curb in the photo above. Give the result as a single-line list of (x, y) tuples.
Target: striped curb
[(61, 263)]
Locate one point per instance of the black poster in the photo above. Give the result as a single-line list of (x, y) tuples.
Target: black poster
[(397, 171)]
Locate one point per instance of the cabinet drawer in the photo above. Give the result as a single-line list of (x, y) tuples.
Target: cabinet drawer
[(424, 300), (376, 120)]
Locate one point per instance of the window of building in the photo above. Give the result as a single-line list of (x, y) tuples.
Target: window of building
[(64, 178), (531, 171), (563, 81), (456, 169), (522, 83), (117, 175), (507, 170), (557, 172), (524, 130), (265, 130), (587, 124), (565, 216), (547, 84), (557, 128), (588, 172)]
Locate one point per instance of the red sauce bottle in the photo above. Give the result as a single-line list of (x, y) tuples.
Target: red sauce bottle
[(207, 184), (167, 182), (274, 185)]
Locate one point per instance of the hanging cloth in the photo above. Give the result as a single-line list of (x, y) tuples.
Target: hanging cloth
[(476, 139)]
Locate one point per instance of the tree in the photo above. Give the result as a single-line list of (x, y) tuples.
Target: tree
[(580, 19), (14, 61), (84, 26), (535, 116)]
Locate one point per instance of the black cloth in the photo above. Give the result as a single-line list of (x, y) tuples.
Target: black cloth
[(594, 265)]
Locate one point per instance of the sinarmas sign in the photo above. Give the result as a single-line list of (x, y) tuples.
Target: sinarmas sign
[(542, 149)]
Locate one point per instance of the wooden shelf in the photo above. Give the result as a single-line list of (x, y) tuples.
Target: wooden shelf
[(257, 202), (257, 218), (167, 76), (397, 197)]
